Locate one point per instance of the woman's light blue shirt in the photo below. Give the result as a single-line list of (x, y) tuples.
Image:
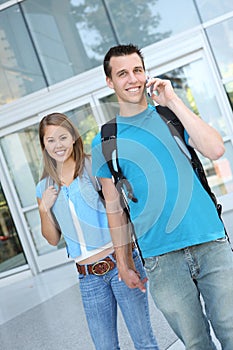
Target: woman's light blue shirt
[(89, 210)]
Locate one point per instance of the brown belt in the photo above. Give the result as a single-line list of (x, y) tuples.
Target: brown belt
[(100, 267)]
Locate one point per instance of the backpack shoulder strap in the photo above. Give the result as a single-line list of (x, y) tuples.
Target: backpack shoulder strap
[(109, 148), (49, 181), (88, 167), (176, 128), (174, 124), (95, 181)]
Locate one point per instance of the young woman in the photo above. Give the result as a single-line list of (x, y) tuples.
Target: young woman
[(70, 205)]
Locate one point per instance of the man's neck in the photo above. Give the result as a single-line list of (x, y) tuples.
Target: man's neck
[(131, 109)]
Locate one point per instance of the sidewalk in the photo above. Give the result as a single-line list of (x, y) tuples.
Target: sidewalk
[(45, 313)]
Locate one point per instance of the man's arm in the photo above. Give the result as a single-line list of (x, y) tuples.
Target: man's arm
[(203, 137), (121, 236)]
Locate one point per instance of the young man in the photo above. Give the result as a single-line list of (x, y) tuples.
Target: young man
[(180, 235)]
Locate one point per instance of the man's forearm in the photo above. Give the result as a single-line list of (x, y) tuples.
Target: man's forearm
[(120, 227), (204, 138)]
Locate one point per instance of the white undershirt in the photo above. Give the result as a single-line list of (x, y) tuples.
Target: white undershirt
[(84, 252)]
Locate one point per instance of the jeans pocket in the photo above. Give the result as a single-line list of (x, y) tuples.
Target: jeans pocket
[(151, 263)]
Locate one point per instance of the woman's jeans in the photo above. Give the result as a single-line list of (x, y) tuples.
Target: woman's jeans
[(178, 279), (101, 295)]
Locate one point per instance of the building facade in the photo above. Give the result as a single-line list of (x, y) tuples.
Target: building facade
[(51, 54)]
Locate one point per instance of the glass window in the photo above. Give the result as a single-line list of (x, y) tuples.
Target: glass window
[(210, 9), (20, 73), (144, 23), (109, 106), (11, 252), (24, 165), (220, 37), (69, 36), (84, 119), (220, 172), (195, 88)]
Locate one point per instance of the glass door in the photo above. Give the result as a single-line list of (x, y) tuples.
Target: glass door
[(11, 251)]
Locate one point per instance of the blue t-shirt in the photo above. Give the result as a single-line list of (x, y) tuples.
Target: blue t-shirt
[(173, 210)]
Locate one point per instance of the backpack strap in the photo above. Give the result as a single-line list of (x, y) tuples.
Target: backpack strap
[(95, 181), (49, 182), (109, 149)]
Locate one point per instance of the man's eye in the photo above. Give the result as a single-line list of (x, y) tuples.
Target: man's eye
[(122, 74)]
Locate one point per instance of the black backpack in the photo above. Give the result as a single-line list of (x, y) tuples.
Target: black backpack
[(109, 149)]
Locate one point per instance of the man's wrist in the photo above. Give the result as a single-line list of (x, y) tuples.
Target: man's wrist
[(174, 103)]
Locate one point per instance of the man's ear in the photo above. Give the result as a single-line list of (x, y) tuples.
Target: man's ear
[(109, 82)]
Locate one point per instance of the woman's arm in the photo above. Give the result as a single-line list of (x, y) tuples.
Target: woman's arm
[(49, 228)]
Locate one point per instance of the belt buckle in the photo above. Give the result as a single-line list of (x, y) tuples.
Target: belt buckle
[(101, 264)]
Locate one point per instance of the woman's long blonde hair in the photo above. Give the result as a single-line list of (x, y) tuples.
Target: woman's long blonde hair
[(50, 166)]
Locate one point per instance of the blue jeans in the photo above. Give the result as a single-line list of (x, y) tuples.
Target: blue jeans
[(100, 296), (178, 279)]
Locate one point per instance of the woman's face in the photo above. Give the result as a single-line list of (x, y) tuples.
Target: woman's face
[(58, 143)]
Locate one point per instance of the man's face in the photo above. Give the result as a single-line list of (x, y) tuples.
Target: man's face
[(128, 78)]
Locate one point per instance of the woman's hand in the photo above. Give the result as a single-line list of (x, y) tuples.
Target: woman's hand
[(48, 198)]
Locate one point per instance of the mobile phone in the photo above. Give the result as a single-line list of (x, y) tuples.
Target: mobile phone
[(149, 89)]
